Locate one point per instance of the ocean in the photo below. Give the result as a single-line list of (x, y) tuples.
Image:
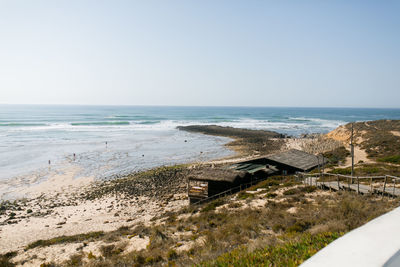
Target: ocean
[(139, 137)]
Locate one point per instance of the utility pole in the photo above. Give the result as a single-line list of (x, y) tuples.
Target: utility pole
[(352, 152)]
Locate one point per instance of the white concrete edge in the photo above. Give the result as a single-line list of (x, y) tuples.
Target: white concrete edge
[(370, 245)]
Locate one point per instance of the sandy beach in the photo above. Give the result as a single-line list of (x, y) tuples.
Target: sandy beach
[(61, 206), (64, 205), (57, 207)]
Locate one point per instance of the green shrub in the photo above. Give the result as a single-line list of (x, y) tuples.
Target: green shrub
[(108, 251), (292, 191), (369, 170), (291, 253), (298, 227), (343, 171), (152, 259), (336, 155), (91, 256), (75, 260), (271, 195), (308, 189), (278, 227), (390, 159), (5, 259), (272, 183), (212, 205), (66, 239), (172, 254), (244, 195)]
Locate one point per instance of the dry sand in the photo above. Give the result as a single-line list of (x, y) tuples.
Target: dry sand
[(56, 211), (343, 135), (395, 133)]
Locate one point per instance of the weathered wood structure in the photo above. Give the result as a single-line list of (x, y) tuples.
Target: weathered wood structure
[(291, 161), (205, 183)]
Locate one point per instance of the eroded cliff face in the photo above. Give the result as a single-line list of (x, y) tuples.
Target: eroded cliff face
[(379, 139), (342, 133)]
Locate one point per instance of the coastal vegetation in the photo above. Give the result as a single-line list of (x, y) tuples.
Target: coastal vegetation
[(283, 223), (151, 183), (290, 253), (336, 156), (375, 169), (380, 139), (277, 222)]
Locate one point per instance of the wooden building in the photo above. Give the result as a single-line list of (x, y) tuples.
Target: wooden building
[(291, 161), (205, 183)]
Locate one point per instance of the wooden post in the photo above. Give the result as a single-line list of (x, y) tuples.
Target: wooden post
[(384, 186), (338, 184), (348, 182), (394, 187), (358, 186), (352, 152), (371, 186)]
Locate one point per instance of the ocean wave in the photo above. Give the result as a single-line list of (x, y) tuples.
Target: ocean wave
[(147, 122), (14, 124), (293, 125), (100, 123)]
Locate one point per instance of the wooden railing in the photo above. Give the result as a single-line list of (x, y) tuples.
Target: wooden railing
[(323, 178), (307, 178)]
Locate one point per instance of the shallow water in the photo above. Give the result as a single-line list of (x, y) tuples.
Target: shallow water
[(137, 137)]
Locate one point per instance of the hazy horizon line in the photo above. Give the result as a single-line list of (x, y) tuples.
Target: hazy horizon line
[(205, 106)]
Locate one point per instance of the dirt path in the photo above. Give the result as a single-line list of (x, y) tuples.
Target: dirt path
[(359, 154)]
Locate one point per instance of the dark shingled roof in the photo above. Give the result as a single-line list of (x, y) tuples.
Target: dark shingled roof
[(217, 174), (297, 159)]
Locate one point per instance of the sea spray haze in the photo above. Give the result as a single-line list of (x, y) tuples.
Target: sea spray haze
[(138, 137)]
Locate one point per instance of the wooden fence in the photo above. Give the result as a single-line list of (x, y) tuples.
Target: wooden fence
[(331, 181), (352, 183)]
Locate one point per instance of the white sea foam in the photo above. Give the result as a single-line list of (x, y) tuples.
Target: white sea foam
[(30, 136)]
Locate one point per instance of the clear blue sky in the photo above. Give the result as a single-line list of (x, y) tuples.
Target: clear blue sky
[(212, 52)]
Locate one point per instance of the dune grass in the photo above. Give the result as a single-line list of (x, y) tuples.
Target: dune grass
[(66, 239), (390, 159), (290, 253)]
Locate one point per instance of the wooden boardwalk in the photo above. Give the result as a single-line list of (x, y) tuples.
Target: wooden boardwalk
[(348, 183)]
